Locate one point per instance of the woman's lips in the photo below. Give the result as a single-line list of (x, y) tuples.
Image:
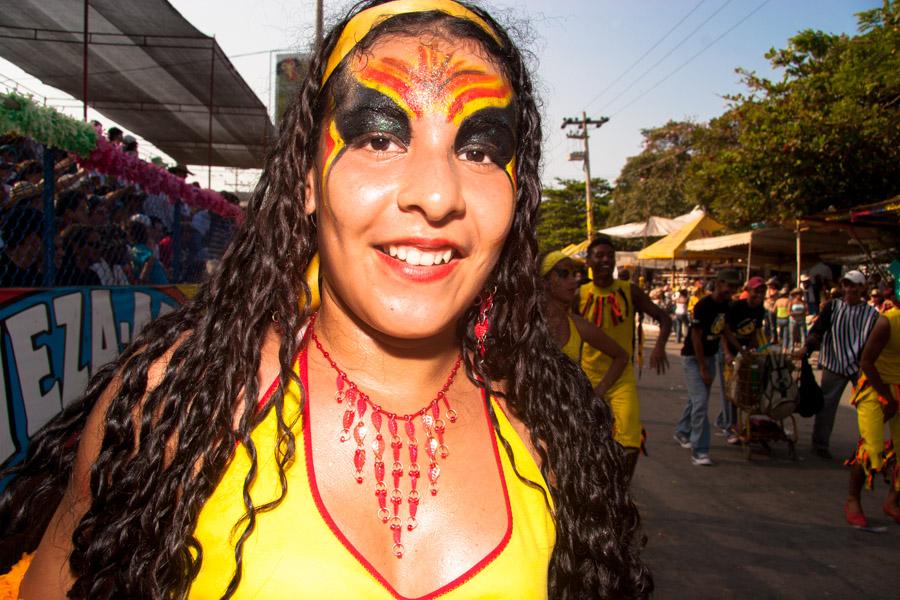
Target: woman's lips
[(418, 273)]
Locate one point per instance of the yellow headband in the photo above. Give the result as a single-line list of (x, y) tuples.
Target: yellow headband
[(362, 23)]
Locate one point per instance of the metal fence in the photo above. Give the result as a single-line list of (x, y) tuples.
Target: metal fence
[(63, 226)]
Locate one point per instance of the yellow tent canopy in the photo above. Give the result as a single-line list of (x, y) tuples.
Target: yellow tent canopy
[(672, 246), (573, 249)]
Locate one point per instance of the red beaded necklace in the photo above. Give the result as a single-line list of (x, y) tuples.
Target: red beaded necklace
[(358, 403)]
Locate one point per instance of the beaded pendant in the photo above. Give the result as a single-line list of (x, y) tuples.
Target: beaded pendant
[(433, 426)]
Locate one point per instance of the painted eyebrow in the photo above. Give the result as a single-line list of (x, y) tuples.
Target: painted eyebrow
[(365, 110), (492, 126)]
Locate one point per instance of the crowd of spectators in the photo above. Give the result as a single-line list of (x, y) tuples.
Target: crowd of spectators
[(107, 232)]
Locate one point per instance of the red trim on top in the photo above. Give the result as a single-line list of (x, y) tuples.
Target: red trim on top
[(274, 385), (326, 516)]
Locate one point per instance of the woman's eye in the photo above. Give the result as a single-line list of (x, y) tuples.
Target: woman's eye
[(380, 143), (476, 156)]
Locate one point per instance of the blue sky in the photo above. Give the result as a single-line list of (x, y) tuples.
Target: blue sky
[(583, 56)]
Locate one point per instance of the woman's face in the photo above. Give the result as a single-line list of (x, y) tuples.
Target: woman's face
[(562, 281), (415, 191)]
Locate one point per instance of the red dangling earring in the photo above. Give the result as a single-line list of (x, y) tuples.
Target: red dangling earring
[(482, 324)]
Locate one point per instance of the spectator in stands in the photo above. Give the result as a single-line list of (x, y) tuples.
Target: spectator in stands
[(71, 208), (114, 135), (221, 230), (161, 206), (81, 249), (27, 184), (146, 269), (98, 211), (841, 331), (7, 171), (111, 264), (31, 171), (19, 262), (130, 145), (10, 153)]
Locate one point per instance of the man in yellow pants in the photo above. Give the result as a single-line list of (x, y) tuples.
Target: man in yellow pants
[(876, 399), (611, 305)]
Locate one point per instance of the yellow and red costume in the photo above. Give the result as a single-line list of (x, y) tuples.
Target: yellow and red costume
[(873, 453), (612, 310)]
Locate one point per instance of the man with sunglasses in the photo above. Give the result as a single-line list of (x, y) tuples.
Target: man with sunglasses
[(611, 305)]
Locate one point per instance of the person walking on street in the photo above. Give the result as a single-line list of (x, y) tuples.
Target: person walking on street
[(772, 287), (611, 304), (797, 328), (744, 332), (682, 319), (783, 319), (876, 399), (699, 355), (839, 333)]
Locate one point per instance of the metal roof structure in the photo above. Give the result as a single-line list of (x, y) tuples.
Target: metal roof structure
[(148, 69)]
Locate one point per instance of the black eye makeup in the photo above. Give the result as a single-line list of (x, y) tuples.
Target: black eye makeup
[(489, 131), (365, 112)]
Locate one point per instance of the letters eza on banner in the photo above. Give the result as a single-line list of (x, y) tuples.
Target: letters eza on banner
[(54, 339)]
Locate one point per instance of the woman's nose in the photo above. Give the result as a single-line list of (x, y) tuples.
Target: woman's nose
[(433, 183)]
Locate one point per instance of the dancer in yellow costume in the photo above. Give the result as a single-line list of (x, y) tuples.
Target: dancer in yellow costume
[(611, 304), (876, 399), (244, 448), (560, 277)]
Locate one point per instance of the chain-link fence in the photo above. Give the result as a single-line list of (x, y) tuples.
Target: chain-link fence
[(88, 229)]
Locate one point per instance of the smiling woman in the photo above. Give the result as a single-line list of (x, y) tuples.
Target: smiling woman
[(418, 434)]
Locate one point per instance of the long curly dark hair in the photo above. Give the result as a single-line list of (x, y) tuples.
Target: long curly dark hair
[(136, 539)]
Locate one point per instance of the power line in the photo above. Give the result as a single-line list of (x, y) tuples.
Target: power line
[(644, 55), (694, 56), (669, 53)]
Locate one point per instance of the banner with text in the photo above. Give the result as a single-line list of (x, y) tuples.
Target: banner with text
[(54, 339)]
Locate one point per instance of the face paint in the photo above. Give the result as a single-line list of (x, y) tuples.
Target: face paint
[(334, 147), (436, 82), (439, 83), (491, 131)]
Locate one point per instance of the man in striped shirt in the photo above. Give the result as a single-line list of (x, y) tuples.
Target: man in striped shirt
[(840, 333)]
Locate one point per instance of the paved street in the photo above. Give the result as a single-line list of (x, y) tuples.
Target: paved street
[(770, 527)]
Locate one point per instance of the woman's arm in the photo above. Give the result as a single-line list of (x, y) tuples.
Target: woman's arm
[(594, 336), (878, 339), (49, 576)]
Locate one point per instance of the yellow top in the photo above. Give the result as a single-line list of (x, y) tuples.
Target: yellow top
[(612, 310), (692, 302), (572, 347), (888, 362), (295, 550)]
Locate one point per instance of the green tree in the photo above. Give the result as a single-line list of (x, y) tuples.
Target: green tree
[(562, 214), (827, 134), (653, 182)]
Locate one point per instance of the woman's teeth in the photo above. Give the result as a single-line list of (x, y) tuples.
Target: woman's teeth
[(420, 258)]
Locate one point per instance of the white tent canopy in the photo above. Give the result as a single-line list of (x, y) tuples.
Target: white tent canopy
[(653, 227)]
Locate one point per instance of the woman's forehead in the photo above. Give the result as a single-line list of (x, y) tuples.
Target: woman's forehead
[(432, 73)]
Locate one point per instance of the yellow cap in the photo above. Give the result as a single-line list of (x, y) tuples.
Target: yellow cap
[(551, 260)]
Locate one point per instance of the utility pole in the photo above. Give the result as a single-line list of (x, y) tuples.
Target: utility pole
[(319, 23), (584, 124)]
